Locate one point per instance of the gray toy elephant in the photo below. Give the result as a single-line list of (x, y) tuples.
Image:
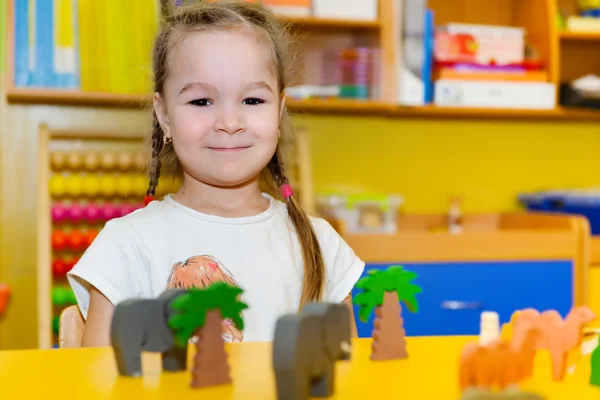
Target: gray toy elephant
[(142, 325), (306, 347)]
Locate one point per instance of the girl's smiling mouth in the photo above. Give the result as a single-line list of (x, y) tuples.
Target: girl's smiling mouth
[(229, 149)]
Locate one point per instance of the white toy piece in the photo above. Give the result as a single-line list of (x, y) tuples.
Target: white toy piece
[(489, 328), (455, 217)]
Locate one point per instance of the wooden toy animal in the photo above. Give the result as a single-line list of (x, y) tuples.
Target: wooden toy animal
[(495, 364), (556, 335), (142, 325), (306, 347)]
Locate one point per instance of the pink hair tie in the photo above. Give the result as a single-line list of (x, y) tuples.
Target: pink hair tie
[(286, 191)]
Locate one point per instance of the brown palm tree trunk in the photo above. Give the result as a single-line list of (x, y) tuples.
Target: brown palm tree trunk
[(388, 337), (210, 362)]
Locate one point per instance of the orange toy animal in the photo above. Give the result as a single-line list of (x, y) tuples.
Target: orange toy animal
[(4, 296), (554, 334), (506, 362), (494, 365)]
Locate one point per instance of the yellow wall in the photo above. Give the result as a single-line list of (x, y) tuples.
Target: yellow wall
[(487, 162)]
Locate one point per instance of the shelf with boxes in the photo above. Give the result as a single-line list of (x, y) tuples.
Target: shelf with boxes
[(85, 180), (350, 65), (579, 32), (93, 80)]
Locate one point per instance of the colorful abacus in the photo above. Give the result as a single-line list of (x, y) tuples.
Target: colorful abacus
[(87, 190)]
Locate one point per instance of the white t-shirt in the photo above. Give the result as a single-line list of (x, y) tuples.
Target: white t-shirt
[(168, 245)]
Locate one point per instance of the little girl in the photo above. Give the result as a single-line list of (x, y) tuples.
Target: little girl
[(219, 116)]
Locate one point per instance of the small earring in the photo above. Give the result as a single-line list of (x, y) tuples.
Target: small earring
[(166, 139), (279, 133)]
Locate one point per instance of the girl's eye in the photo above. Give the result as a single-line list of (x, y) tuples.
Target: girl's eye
[(253, 101), (201, 102)]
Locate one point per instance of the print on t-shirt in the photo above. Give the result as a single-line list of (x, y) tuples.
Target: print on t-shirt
[(201, 272)]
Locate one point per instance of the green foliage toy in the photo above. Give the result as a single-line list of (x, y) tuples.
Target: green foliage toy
[(383, 291), (595, 361), (199, 313)]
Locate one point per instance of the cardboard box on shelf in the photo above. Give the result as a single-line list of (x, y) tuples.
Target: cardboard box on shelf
[(363, 10), (290, 8)]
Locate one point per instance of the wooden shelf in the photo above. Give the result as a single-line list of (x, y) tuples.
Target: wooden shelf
[(559, 113), (75, 98), (312, 106), (568, 35), (338, 106), (327, 23)]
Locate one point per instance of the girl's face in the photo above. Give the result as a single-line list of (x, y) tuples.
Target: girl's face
[(221, 106)]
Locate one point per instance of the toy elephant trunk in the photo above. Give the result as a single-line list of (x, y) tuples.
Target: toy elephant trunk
[(335, 328)]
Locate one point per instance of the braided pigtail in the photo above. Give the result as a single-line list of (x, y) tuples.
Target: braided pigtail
[(155, 163), (314, 266)]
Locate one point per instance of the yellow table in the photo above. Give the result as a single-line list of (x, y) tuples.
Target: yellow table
[(431, 372)]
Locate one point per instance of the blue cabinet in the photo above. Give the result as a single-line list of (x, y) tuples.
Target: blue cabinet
[(455, 294)]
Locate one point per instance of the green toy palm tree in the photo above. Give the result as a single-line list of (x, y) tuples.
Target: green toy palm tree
[(383, 291), (200, 312), (595, 364)]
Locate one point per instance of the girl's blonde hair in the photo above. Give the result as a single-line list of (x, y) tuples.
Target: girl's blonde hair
[(229, 16)]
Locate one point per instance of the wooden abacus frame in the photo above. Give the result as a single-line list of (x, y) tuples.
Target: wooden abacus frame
[(44, 221)]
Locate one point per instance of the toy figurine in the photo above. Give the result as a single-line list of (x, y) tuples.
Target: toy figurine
[(489, 327), (200, 312), (4, 296), (306, 347), (455, 219), (595, 361), (556, 335), (141, 325), (384, 291), (531, 332)]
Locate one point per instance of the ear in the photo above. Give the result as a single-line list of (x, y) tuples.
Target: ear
[(282, 104), (160, 110)]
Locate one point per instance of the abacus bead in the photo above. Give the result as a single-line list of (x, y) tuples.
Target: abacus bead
[(92, 213), (125, 161), (59, 213), (58, 160), (91, 161), (140, 185), (107, 185), (91, 185), (108, 160), (59, 240), (57, 185), (123, 185), (89, 236), (141, 161), (74, 185), (109, 212), (75, 212), (74, 160), (75, 239)]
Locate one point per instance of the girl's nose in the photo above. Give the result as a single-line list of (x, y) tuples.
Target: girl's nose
[(230, 122)]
